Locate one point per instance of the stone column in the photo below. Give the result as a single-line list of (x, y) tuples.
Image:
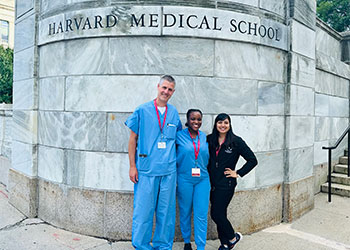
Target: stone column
[(23, 173), (298, 179)]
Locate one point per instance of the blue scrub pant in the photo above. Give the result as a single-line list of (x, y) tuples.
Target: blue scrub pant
[(194, 194), (154, 194)]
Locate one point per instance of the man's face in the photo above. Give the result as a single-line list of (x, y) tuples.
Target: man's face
[(166, 90)]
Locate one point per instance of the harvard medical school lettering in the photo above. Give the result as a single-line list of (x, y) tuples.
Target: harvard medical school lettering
[(163, 21), (169, 20)]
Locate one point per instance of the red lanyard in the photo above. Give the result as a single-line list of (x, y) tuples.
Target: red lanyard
[(166, 111), (218, 149), (196, 151)]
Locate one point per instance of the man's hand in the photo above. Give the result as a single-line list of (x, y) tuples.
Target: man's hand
[(134, 177)]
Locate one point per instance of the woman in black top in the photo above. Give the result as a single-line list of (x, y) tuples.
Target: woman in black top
[(225, 148)]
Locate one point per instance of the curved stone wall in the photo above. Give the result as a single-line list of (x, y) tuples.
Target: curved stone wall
[(88, 64)]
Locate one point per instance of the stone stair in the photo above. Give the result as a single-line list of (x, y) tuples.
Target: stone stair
[(340, 180)]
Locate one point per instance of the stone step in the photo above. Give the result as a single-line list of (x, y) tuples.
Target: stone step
[(341, 169), (343, 160), (340, 179), (337, 189)]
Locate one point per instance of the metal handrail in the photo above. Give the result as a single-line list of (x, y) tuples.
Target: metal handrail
[(330, 159)]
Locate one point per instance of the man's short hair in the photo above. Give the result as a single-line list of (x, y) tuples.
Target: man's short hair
[(168, 78)]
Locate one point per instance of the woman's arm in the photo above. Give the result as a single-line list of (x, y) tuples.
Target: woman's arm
[(249, 156)]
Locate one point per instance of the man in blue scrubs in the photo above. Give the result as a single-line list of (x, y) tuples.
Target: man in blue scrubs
[(152, 158)]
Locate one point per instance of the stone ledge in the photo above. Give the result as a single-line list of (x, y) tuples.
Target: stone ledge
[(108, 214), (298, 198)]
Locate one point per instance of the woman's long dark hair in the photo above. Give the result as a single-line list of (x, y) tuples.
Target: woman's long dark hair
[(213, 138)]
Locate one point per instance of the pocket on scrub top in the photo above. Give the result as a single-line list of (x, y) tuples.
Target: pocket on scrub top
[(170, 131)]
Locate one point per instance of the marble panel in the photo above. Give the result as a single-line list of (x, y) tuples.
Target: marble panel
[(320, 155), (24, 33), (302, 71), (270, 131), (300, 162), (338, 106), (304, 11), (300, 34), (24, 158), (51, 163), (98, 170), (216, 95), (248, 2), (74, 58), (23, 66), (270, 169), (322, 128), (276, 6), (49, 5), (73, 130), (301, 100), (337, 127), (51, 93), (8, 125), (83, 23), (24, 94), (300, 131), (248, 181), (332, 65), (25, 126), (207, 123), (153, 55), (321, 105), (117, 133), (270, 98), (6, 149), (113, 93), (23, 6), (239, 60), (330, 84), (327, 44)]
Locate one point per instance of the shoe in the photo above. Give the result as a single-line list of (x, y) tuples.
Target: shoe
[(233, 244), (221, 247), (187, 246)]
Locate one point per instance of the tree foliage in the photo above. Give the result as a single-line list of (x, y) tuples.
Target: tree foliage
[(6, 74), (336, 13)]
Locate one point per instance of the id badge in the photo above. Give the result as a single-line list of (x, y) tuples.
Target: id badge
[(196, 172), (162, 144)]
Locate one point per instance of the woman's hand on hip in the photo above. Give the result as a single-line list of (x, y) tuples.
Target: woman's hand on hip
[(230, 173)]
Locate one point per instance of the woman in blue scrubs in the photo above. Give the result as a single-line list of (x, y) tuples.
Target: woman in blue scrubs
[(193, 184)]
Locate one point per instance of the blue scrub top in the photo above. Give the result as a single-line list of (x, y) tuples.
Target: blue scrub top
[(151, 160), (185, 158)]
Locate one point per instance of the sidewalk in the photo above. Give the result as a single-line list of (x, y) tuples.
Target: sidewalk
[(324, 228)]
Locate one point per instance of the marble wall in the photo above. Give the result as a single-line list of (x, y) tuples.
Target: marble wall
[(73, 91)]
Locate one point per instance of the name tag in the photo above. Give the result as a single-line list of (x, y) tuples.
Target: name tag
[(196, 172), (161, 144)]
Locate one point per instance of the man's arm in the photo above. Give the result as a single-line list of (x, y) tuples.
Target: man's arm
[(132, 152)]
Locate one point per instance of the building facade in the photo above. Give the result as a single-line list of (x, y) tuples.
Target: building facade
[(82, 67), (7, 23)]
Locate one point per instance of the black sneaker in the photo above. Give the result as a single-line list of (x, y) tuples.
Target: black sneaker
[(221, 247), (187, 246), (233, 244)]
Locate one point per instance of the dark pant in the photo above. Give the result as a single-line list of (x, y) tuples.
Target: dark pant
[(220, 199)]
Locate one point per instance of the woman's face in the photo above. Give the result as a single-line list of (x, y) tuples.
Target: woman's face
[(195, 121), (223, 126)]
